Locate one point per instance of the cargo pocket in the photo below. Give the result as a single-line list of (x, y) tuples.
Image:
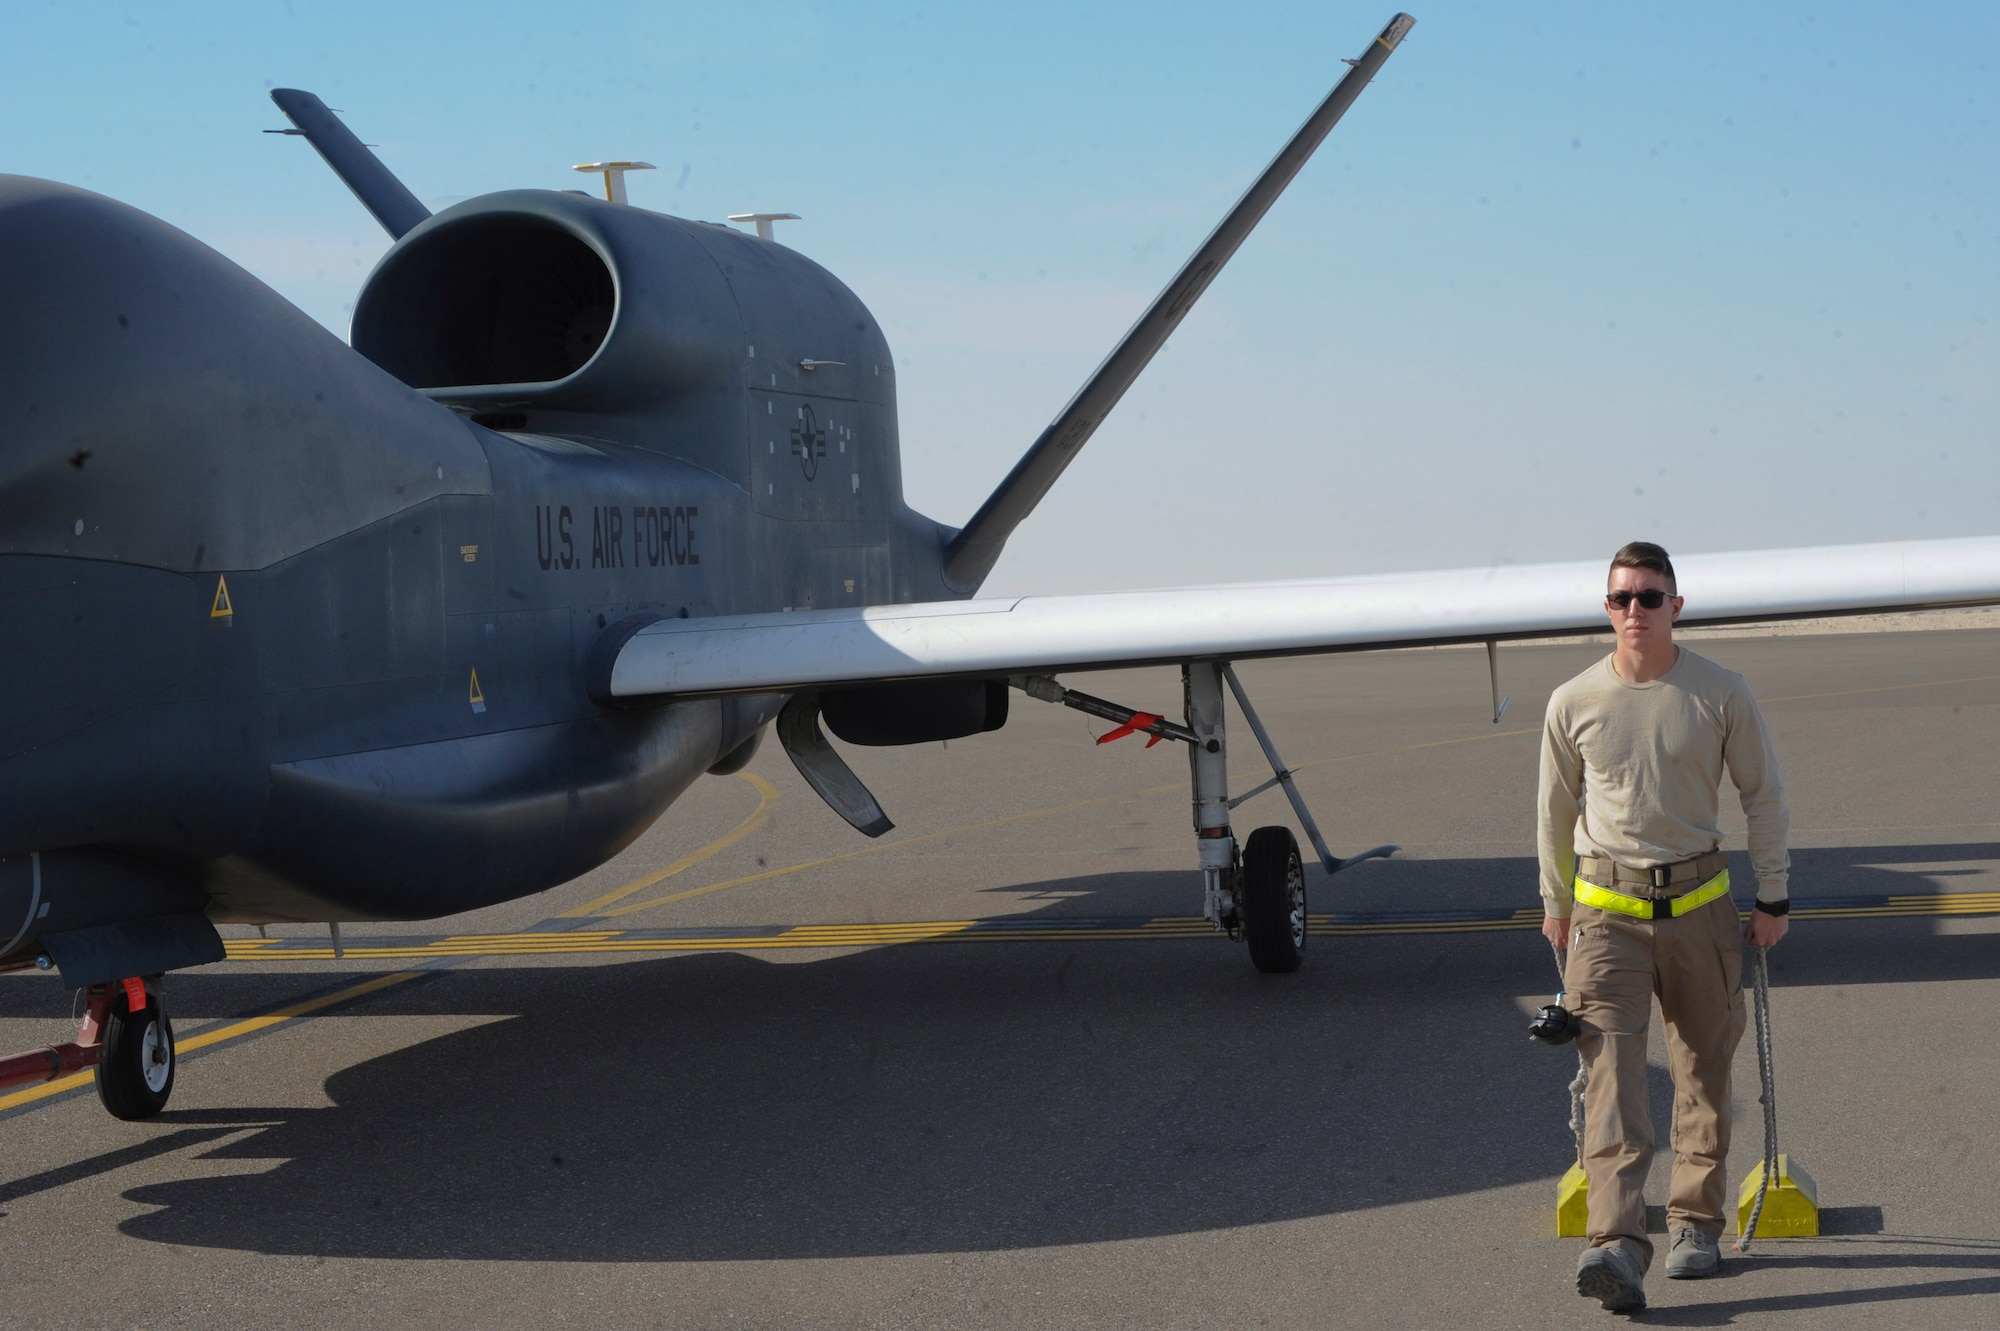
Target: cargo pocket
[(1732, 973), (1729, 949), (1588, 934)]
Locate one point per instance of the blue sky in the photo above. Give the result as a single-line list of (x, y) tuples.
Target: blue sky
[(1721, 276)]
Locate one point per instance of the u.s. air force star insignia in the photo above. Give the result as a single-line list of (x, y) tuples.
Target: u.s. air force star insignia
[(808, 442)]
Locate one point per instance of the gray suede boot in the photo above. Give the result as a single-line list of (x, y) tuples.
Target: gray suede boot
[(1694, 1254), (1612, 1277)]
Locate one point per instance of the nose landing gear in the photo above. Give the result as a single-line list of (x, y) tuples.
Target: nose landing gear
[(136, 1072), (125, 1038)]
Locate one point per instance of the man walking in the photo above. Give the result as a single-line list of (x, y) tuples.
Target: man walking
[(1635, 890)]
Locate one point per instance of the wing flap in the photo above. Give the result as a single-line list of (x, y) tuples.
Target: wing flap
[(1049, 634)]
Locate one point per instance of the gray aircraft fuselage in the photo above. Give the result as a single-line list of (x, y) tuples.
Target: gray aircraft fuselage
[(295, 630), (298, 630)]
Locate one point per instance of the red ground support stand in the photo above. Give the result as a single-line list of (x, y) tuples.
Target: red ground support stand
[(86, 1051)]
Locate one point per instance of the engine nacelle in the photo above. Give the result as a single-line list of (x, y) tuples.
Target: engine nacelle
[(551, 312), (534, 297)]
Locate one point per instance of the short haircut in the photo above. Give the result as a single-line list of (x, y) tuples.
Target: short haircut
[(1644, 554)]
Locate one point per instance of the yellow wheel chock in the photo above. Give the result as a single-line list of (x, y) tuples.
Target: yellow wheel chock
[(1791, 1208), (1573, 1204)]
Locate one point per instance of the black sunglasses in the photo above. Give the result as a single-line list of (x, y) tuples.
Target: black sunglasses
[(1652, 598)]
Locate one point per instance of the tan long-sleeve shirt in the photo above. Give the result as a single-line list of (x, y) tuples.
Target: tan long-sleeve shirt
[(1634, 772)]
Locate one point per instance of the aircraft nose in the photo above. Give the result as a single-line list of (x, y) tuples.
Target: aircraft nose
[(159, 405)]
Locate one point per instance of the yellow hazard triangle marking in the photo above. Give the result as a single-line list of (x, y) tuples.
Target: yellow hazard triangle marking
[(477, 698), (221, 609)]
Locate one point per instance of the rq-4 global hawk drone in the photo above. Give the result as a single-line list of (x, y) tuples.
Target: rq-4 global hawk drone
[(297, 630)]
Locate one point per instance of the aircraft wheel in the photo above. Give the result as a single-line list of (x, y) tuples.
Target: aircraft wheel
[(137, 1073), (1274, 900)]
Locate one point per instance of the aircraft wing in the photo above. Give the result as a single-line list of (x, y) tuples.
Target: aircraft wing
[(1009, 636)]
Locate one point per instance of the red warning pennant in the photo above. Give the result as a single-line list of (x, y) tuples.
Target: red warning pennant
[(1140, 721)]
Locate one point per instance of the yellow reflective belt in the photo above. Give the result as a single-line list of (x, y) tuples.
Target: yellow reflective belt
[(1641, 908)]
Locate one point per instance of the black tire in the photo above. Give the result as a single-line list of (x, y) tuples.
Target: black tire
[(137, 1073), (1274, 900)]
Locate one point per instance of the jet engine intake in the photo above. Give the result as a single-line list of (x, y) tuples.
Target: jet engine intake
[(551, 301), (498, 299)]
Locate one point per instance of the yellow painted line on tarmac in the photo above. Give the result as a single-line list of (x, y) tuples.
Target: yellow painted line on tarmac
[(234, 1031), (442, 947), (767, 799), (46, 1089), (1030, 930), (916, 929), (1526, 918), (251, 1025), (509, 938), (557, 945), (1951, 903)]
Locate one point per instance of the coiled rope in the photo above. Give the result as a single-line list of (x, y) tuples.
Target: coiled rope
[(1767, 1093)]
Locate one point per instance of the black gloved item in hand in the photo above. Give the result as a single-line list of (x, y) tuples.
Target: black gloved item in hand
[(1554, 1024)]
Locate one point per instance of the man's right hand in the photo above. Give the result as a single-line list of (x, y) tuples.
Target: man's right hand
[(1556, 931), (1765, 930)]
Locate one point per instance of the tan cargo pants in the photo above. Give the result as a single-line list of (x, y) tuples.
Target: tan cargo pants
[(1617, 966)]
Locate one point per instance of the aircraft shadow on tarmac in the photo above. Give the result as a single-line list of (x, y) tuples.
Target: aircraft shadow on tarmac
[(948, 1097), (904, 1100)]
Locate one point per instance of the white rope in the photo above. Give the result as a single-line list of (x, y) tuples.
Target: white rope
[(1768, 1095), (1577, 1086), (1581, 1081)]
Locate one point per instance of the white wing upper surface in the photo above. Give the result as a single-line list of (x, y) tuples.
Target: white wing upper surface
[(1048, 634)]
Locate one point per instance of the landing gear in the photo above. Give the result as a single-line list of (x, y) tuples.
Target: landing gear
[(136, 1074), (124, 1036), (1259, 896), (1272, 894)]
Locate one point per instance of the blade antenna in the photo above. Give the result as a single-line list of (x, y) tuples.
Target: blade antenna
[(974, 550), (360, 170)]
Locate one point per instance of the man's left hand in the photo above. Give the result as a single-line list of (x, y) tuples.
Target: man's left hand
[(1764, 930)]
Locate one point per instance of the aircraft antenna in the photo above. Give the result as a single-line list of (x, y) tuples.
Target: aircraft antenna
[(614, 176), (763, 221)]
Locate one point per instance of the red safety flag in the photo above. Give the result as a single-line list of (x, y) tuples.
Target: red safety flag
[(135, 995), (1140, 721)]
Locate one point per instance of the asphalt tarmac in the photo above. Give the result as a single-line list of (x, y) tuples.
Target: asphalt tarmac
[(760, 1072)]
